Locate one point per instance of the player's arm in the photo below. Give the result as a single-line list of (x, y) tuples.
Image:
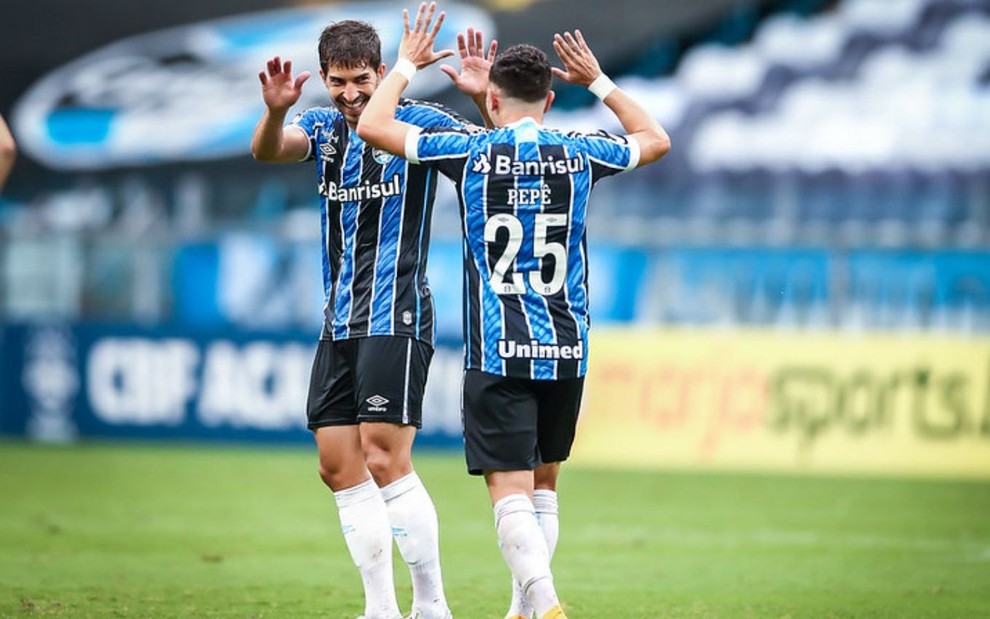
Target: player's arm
[(270, 141), (475, 66), (378, 125), (581, 67), (8, 152)]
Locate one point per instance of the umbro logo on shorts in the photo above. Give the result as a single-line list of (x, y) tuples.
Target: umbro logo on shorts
[(376, 404)]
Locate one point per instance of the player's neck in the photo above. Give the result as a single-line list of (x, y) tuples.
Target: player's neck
[(515, 114)]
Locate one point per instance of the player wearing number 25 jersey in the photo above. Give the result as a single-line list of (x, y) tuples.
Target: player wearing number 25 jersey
[(523, 193)]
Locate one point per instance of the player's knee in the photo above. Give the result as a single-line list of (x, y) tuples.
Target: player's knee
[(340, 475), (380, 464), (385, 465), (328, 475)]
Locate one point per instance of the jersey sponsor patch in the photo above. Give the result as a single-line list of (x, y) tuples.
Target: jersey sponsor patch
[(510, 349), (367, 191), (505, 165)]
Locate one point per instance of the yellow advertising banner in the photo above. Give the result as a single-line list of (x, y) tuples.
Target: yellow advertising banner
[(788, 401)]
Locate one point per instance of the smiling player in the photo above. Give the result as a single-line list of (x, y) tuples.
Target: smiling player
[(369, 375)]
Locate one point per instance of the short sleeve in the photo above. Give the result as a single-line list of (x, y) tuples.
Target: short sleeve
[(609, 153), (306, 122), (428, 114), (412, 145), (446, 148)]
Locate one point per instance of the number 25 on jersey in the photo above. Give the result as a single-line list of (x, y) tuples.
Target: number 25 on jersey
[(505, 279)]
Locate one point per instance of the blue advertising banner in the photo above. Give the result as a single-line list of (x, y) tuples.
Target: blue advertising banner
[(63, 382)]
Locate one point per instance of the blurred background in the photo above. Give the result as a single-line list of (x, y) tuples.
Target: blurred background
[(802, 284)]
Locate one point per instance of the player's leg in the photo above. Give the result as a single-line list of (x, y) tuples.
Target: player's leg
[(521, 540), (545, 504), (360, 507), (392, 379), (559, 407), (411, 512), (500, 440)]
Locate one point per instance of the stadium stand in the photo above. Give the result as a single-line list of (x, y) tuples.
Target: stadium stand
[(866, 99), (861, 129)]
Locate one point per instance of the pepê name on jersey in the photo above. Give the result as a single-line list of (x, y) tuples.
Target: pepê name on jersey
[(510, 349), (367, 191)]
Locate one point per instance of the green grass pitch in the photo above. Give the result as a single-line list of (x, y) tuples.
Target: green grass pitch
[(160, 531)]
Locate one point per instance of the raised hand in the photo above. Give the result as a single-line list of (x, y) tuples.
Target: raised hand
[(475, 65), (279, 90), (417, 42), (580, 65)]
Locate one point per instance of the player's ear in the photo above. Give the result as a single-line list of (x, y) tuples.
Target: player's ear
[(546, 106), (491, 100), (381, 71)]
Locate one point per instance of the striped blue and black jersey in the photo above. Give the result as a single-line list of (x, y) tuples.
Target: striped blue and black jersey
[(523, 193), (375, 211)]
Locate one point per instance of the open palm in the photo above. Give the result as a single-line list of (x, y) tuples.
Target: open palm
[(278, 88), (475, 65)]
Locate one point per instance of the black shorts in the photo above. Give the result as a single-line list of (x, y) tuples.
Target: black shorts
[(516, 424), (378, 378)]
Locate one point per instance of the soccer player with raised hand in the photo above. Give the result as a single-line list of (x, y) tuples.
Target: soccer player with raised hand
[(524, 192), (368, 378)]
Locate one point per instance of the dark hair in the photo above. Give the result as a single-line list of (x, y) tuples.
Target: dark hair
[(350, 44), (522, 72)]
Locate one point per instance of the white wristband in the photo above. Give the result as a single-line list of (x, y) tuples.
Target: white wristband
[(602, 86), (405, 67)]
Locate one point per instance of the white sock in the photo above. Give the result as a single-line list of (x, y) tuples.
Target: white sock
[(364, 521), (525, 550), (545, 503), (417, 534)]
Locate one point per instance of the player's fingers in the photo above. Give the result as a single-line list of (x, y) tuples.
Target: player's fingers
[(444, 53), (419, 17), (262, 77), (560, 73), (563, 50), (469, 36), (405, 21), (462, 47), (287, 67), (580, 39), (450, 72), (436, 26), (429, 16), (492, 50), (277, 62), (479, 41), (302, 79)]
